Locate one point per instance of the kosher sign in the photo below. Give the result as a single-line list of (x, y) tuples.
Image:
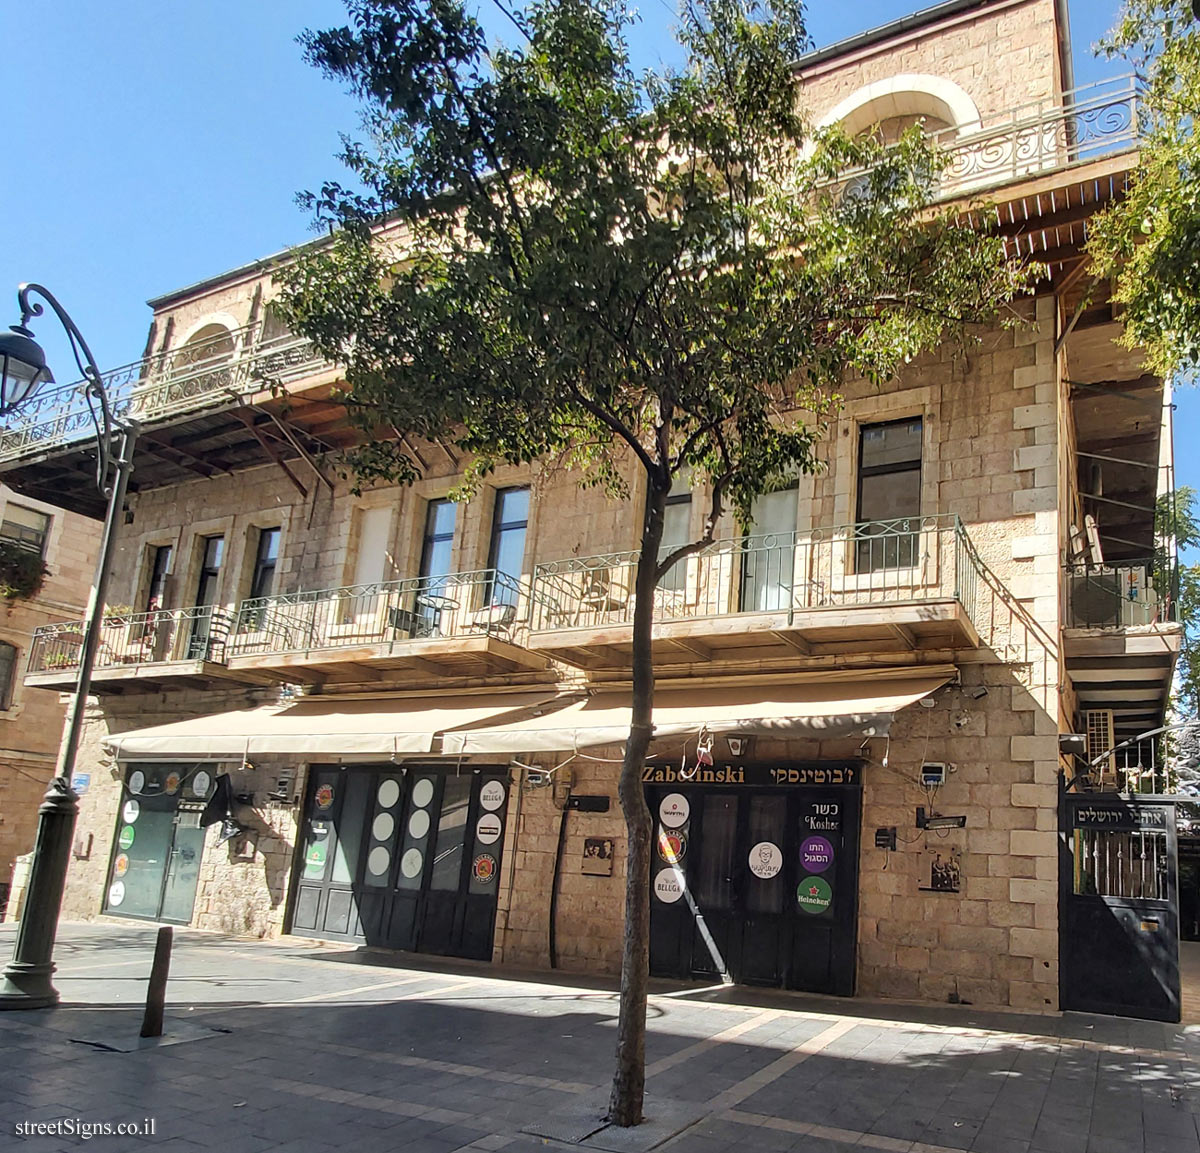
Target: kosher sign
[(766, 775)]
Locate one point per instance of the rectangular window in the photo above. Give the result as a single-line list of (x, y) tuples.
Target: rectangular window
[(507, 553), (8, 673), (211, 557), (262, 584), (438, 543), (370, 562), (160, 569), (677, 531), (889, 495), (769, 552), (26, 526)]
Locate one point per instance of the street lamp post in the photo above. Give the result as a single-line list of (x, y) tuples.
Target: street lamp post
[(27, 979)]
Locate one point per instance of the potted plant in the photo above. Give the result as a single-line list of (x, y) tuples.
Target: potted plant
[(22, 571)]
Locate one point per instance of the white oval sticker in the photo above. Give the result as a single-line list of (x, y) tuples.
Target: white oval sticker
[(491, 796), (137, 781), (200, 783), (422, 792), (116, 893), (766, 859), (488, 829), (674, 810), (668, 885), (130, 811), (411, 863), (389, 793)]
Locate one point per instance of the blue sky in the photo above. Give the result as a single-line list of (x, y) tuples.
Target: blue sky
[(163, 142)]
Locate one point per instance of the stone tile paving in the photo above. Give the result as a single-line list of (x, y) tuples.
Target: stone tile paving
[(298, 1047)]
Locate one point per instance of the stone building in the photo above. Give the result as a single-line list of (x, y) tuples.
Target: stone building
[(31, 720), (420, 704)]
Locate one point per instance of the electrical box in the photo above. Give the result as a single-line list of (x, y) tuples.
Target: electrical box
[(885, 838), (934, 773), (587, 804)]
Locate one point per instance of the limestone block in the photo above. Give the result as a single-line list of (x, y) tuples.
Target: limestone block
[(1031, 843), (1031, 891), (1040, 944)]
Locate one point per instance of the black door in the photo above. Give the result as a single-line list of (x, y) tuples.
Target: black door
[(755, 884), (421, 848), (1119, 912)]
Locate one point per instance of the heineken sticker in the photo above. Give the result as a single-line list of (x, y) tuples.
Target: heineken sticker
[(137, 781), (324, 797), (814, 895), (483, 868), (488, 829), (116, 893), (816, 855), (672, 846), (668, 885), (766, 859), (200, 783), (491, 796), (125, 840), (172, 784), (121, 865), (674, 810), (130, 811), (314, 860)]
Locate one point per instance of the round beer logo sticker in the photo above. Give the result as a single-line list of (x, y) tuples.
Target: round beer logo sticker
[(121, 865), (671, 846), (491, 796), (137, 781), (483, 868), (125, 840), (488, 829), (130, 811), (674, 810), (816, 855), (324, 797), (200, 783), (766, 860), (668, 885), (814, 895), (116, 893), (172, 784)]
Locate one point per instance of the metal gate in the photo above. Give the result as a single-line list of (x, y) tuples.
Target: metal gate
[(1119, 906)]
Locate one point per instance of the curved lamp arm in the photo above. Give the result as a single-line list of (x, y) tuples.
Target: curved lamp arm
[(93, 389)]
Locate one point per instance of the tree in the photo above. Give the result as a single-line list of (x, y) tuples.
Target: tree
[(547, 254), (1148, 244)]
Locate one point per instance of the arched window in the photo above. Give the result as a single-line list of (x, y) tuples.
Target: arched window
[(8, 673), (900, 101), (212, 344)]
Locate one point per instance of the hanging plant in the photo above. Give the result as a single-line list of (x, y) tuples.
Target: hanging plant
[(22, 571)]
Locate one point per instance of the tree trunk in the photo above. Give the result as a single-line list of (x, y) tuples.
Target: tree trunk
[(629, 1080)]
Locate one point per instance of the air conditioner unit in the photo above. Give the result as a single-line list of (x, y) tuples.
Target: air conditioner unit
[(1097, 726), (1095, 600)]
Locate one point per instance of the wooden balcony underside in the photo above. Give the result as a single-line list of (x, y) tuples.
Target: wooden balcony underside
[(149, 677), (834, 631), (398, 660)]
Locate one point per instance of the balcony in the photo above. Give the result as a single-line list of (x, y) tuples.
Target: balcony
[(468, 624), (899, 586), (1121, 639), (137, 652)]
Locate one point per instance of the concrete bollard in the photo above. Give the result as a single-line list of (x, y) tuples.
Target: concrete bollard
[(156, 991)]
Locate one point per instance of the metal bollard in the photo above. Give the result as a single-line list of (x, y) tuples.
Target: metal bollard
[(156, 991)]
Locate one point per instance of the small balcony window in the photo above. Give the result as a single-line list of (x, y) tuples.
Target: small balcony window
[(26, 527), (889, 495)]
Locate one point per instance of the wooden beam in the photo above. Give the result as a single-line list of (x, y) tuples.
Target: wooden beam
[(304, 453), (694, 647), (904, 634), (793, 641)]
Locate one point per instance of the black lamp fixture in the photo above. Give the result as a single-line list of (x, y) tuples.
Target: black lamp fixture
[(22, 368)]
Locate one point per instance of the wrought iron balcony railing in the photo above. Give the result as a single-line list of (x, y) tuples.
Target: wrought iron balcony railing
[(130, 639), (882, 562), (482, 603), (1116, 596), (205, 374)]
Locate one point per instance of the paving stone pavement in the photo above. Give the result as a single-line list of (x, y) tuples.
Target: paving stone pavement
[(294, 1046)]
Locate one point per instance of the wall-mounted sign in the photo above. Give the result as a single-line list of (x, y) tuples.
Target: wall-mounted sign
[(766, 859), (674, 810), (816, 855), (483, 868), (1129, 818), (814, 895), (597, 856), (491, 795), (488, 829), (672, 845), (774, 776), (943, 868), (668, 885), (81, 782)]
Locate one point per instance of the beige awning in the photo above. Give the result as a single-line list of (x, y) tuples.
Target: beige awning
[(815, 709), (325, 727)]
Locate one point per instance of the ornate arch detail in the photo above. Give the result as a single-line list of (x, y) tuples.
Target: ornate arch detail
[(908, 94)]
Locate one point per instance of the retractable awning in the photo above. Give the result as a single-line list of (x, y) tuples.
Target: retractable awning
[(823, 709), (325, 727)]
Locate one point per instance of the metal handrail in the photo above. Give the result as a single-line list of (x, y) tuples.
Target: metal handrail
[(131, 639), (483, 602)]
